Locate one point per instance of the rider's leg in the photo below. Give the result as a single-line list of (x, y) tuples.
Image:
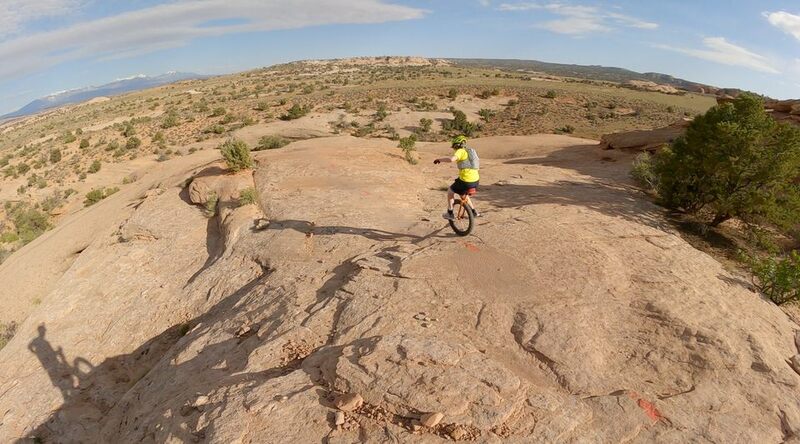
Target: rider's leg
[(472, 206), (469, 202), (451, 199)]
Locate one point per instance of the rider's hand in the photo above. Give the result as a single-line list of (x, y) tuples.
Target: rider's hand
[(436, 162)]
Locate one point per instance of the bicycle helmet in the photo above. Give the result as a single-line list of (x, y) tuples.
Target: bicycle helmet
[(459, 142)]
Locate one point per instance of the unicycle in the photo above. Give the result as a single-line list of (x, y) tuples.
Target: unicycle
[(463, 220)]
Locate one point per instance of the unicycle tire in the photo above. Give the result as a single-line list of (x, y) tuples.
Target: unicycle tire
[(464, 220)]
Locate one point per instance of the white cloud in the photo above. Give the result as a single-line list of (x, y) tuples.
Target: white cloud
[(14, 14), (786, 22), (519, 6), (579, 19), (485, 2), (721, 51), (176, 24)]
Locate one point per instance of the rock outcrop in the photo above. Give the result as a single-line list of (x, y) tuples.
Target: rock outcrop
[(644, 140), (651, 140)]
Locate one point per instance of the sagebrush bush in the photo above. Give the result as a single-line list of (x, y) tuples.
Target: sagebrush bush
[(247, 196), (551, 94), (295, 112), (55, 155), (133, 143), (271, 143), (95, 166), (237, 155), (170, 121)]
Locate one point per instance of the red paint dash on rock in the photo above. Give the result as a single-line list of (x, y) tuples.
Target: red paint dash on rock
[(471, 247), (649, 409)]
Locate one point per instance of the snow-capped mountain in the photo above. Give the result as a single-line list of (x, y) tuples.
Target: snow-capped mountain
[(118, 86)]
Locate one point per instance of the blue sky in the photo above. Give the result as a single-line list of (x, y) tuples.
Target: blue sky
[(52, 45)]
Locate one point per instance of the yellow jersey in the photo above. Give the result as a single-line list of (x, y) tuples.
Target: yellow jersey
[(466, 174)]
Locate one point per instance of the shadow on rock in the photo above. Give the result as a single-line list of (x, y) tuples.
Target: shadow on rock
[(93, 393)]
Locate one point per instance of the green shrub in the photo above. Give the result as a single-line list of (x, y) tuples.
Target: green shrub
[(778, 277), (9, 237), (30, 223), (113, 145), (734, 161), (133, 143), (96, 195), (566, 129), (219, 111), (381, 112), (460, 124), (69, 137), (247, 196), (271, 143), (262, 106), (84, 144), (170, 121), (211, 204), (295, 112), (95, 167), (425, 125), (551, 94), (237, 155), (23, 168), (452, 94), (7, 332), (215, 129), (128, 130), (486, 114), (55, 155), (643, 171), (408, 145)]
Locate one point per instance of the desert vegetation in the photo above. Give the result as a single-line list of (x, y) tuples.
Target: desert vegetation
[(79, 147), (236, 154), (737, 162)]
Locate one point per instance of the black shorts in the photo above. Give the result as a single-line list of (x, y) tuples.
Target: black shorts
[(461, 187)]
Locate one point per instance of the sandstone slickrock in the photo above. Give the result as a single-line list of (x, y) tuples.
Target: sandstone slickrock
[(575, 313), (348, 402), (431, 419), (339, 418)]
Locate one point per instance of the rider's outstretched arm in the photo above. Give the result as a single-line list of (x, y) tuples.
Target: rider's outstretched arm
[(446, 159)]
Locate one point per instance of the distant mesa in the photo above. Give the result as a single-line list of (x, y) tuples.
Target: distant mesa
[(99, 93)]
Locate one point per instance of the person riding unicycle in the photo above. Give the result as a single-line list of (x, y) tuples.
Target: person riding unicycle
[(468, 165)]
